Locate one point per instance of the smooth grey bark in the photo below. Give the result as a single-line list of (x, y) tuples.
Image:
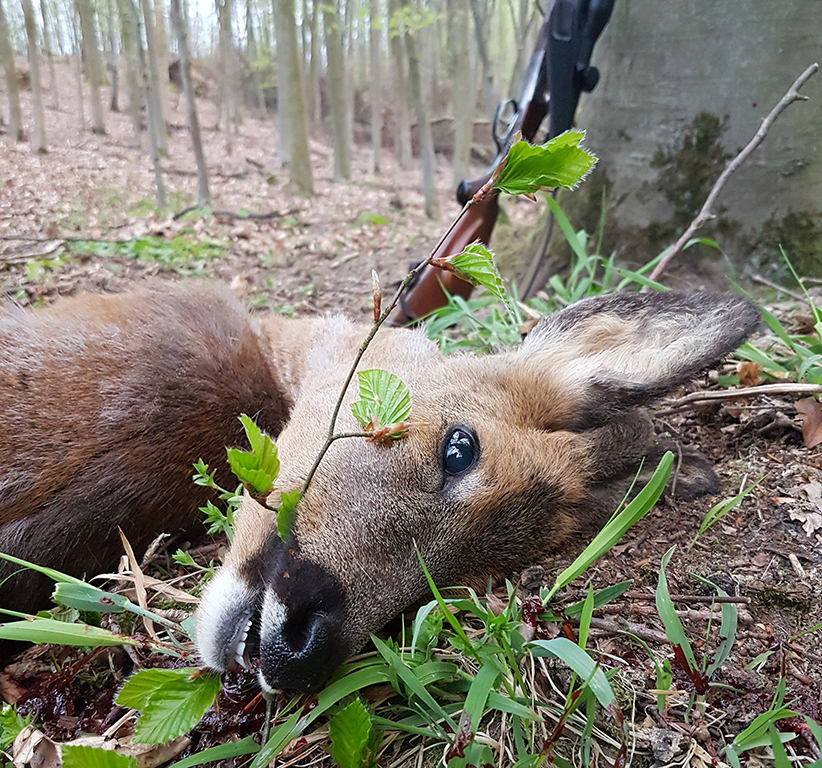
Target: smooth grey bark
[(429, 189), (725, 65), (162, 61), (479, 9), (402, 116), (337, 96), (181, 33), (53, 100), (94, 67), (151, 80), (311, 16), (291, 100), (7, 56), (462, 83), (38, 135), (253, 55), (228, 75), (111, 53), (153, 114), (78, 70), (375, 55), (128, 37)]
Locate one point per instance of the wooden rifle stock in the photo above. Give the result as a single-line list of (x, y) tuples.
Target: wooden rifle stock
[(426, 293)]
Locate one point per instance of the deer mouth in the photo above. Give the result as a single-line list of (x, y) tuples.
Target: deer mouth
[(244, 649)]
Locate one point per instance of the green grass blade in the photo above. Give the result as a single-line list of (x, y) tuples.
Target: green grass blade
[(580, 662), (39, 630), (246, 746), (665, 607)]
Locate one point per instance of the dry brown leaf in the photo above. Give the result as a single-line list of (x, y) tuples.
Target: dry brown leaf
[(749, 373), (810, 412), (811, 521), (33, 748), (148, 755)]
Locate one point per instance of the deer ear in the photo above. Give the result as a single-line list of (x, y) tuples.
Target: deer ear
[(608, 354)]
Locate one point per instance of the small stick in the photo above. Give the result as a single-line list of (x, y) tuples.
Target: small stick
[(706, 213), (690, 598), (788, 388)]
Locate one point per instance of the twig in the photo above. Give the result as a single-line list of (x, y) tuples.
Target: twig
[(706, 213), (689, 598), (622, 627), (787, 291), (788, 388)]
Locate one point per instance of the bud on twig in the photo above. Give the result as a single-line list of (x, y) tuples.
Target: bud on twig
[(376, 293)]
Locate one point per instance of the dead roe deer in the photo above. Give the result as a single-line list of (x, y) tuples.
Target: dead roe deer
[(107, 401)]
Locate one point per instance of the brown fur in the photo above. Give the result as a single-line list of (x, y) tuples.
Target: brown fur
[(109, 400)]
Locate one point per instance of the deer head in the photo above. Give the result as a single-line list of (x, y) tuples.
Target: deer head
[(512, 455)]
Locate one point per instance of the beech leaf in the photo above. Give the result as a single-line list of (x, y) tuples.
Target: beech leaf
[(476, 264), (384, 399), (350, 731), (259, 467), (560, 162), (286, 512)]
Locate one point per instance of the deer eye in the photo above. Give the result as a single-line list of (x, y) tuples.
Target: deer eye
[(460, 452)]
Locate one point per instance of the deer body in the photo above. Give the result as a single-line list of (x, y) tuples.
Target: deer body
[(511, 454)]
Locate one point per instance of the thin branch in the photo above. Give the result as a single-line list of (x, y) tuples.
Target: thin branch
[(706, 213), (787, 388)]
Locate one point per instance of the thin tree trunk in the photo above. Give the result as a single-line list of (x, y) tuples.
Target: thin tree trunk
[(313, 90), (128, 35), (162, 60), (53, 101), (291, 103), (229, 85), (94, 69), (112, 57), (429, 190), (253, 56), (464, 101), (193, 122), (78, 71), (7, 55), (479, 9), (151, 81), (374, 41), (402, 117), (153, 115), (336, 85), (38, 135)]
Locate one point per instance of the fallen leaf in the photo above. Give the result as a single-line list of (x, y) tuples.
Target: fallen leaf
[(34, 748), (749, 373), (810, 412), (811, 521)]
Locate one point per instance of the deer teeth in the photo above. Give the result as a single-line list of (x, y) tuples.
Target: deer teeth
[(239, 649)]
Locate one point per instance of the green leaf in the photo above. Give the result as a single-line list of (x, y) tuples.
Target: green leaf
[(727, 629), (476, 264), (615, 529), (172, 701), (246, 746), (664, 681), (665, 607), (92, 757), (259, 467), (50, 572), (719, 510), (85, 597), (37, 630), (350, 731), (561, 162), (580, 662), (286, 512), (384, 398), (279, 737), (478, 694)]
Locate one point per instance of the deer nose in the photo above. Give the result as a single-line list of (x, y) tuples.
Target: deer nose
[(298, 648)]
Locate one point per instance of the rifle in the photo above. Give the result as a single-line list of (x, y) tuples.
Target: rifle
[(558, 71)]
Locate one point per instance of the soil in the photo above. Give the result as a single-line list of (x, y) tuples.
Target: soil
[(308, 255)]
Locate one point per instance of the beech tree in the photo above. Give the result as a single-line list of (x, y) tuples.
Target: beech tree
[(94, 67), (38, 134), (7, 56), (337, 98)]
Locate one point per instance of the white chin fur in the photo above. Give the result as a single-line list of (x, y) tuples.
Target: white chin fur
[(225, 596)]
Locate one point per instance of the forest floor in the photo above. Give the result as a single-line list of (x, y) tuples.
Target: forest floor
[(307, 255)]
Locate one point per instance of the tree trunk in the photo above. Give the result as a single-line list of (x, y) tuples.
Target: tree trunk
[(112, 57), (151, 81), (291, 102), (375, 44), (7, 55), (313, 89), (229, 78), (674, 101), (94, 69), (162, 61), (38, 135), (253, 56), (193, 122), (336, 85), (53, 100), (429, 190), (153, 115), (479, 9), (128, 35), (78, 70), (402, 117), (464, 100)]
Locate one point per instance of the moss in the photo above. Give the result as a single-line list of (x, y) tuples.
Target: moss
[(799, 234), (772, 597)]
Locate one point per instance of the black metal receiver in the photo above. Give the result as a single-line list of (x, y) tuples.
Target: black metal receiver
[(558, 71)]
